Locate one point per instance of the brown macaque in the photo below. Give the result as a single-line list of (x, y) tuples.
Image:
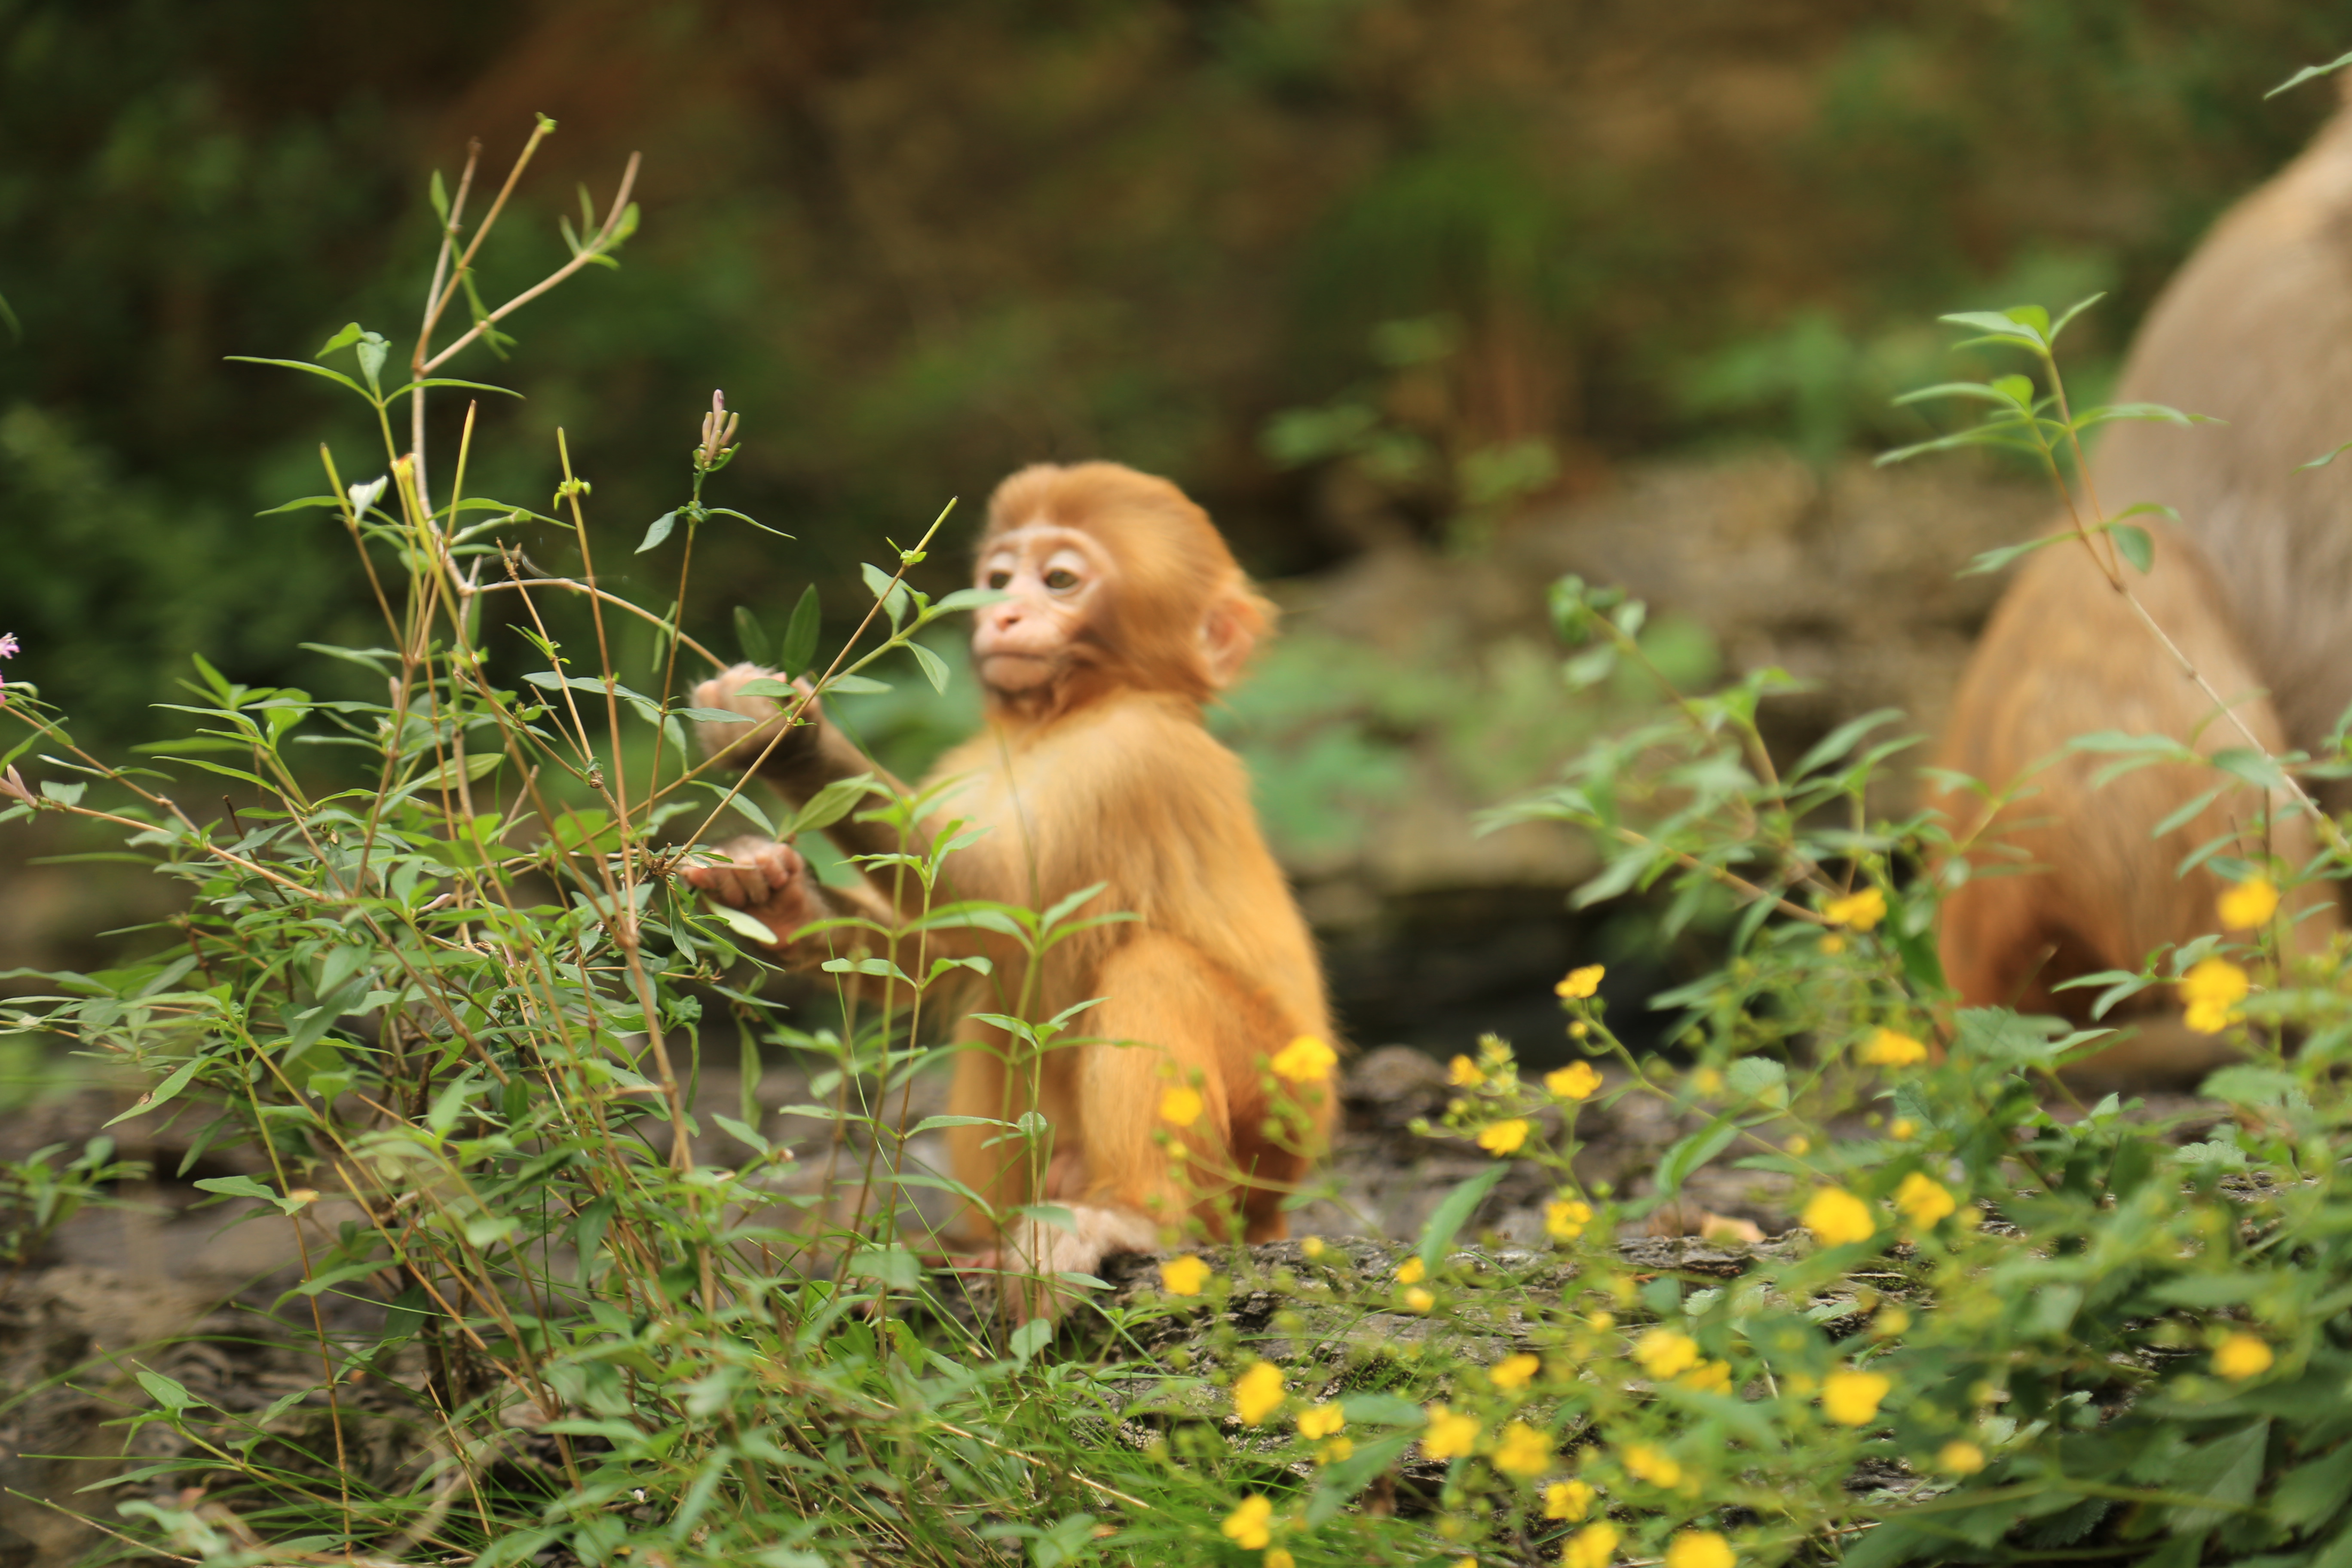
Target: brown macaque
[(1124, 612), (2254, 584)]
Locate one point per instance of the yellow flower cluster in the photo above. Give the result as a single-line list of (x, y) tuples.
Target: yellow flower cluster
[(1645, 1462), (1514, 1373), (1565, 1219), (1464, 1073), (2242, 1356), (1861, 910), (1923, 1200), (1448, 1436), (1258, 1393), (1700, 1548), (1504, 1137), (1961, 1457), (1570, 1501), (1662, 1352), (1522, 1451), (1305, 1059), (1836, 1216), (1412, 1270), (2211, 993), (2249, 904), (1709, 1377), (1580, 984), (1851, 1398), (1320, 1421), (1180, 1105), (1577, 1080), (1591, 1547), (1886, 1048), (1248, 1526), (1183, 1276)]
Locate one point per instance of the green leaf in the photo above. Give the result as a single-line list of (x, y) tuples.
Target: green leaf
[(830, 804), (438, 195), (2310, 73), (2325, 459), (2134, 545), (658, 531), (334, 375), (742, 925), (1687, 1154), (934, 668), (1995, 560), (751, 637), (799, 652), (352, 332), (169, 1392), (1452, 1212), (237, 1187)]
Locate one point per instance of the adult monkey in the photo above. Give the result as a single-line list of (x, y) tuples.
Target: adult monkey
[(1124, 612), (2254, 585)]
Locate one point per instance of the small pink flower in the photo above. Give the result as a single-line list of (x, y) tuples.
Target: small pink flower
[(9, 647)]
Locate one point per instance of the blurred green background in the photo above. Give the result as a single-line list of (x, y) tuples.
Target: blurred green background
[(1458, 257)]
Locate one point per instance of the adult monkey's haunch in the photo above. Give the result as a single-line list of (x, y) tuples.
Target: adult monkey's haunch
[(1124, 612), (2255, 586)]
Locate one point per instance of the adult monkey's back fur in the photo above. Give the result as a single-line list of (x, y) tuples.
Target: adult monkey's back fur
[(2254, 584)]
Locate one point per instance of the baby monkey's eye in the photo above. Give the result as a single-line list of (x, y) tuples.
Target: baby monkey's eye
[(1060, 580), (999, 579)]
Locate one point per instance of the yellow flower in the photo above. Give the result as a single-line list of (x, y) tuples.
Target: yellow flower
[(1419, 1300), (1836, 1216), (1594, 1546), (1514, 1372), (1310, 1247), (1709, 1377), (1523, 1451), (1258, 1393), (1504, 1137), (1246, 1527), (1961, 1457), (2242, 1356), (1654, 1466), (1923, 1200), (1320, 1421), (1579, 1030), (1700, 1548), (1851, 1398), (1831, 945), (1580, 983), (1902, 1130), (1412, 1270), (1706, 1080), (2212, 990), (1464, 1073), (1183, 1276), (1182, 1105), (1886, 1048), (1565, 1219), (1662, 1352), (1892, 1323), (1275, 1557), (1448, 1436), (1602, 1322), (1577, 1080), (1336, 1451), (2249, 904), (1800, 1145), (1305, 1060), (1570, 1501), (1861, 910)]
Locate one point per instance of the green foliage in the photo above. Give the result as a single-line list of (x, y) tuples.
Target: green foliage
[(441, 969)]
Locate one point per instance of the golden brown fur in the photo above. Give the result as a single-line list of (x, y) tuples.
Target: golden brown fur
[(2255, 584), (1105, 774)]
